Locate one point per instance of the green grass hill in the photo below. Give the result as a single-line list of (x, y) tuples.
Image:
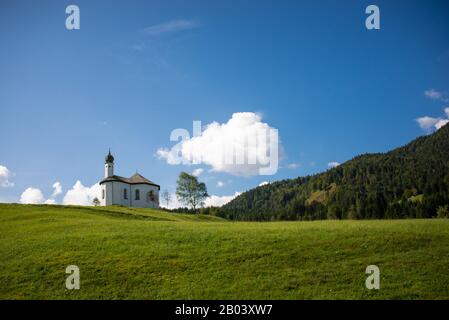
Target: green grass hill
[(126, 253)]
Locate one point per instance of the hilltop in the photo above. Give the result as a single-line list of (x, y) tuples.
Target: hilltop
[(117, 212)]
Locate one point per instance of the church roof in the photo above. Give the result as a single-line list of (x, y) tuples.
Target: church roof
[(135, 179)]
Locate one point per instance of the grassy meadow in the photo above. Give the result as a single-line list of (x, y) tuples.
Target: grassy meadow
[(129, 253)]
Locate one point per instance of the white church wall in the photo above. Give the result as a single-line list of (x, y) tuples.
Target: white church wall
[(114, 195), (118, 193), (144, 201), (106, 190)]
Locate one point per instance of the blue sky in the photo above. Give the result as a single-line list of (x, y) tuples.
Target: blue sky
[(136, 70)]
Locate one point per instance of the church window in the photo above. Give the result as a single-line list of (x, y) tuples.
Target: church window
[(125, 193), (137, 194), (102, 193)]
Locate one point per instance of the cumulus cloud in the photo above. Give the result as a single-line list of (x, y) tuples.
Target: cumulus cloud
[(427, 122), (32, 196), (220, 184), (264, 183), (173, 203), (441, 123), (5, 175), (171, 26), (243, 146), (197, 172), (168, 155), (35, 196), (430, 124), (77, 195), (82, 195), (57, 189), (211, 201), (333, 164), (218, 201)]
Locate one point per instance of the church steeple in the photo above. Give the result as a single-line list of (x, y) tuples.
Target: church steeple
[(109, 165), (109, 157)]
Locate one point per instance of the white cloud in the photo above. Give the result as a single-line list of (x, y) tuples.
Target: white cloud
[(211, 201), (57, 189), (173, 203), (264, 183), (333, 164), (197, 172), (32, 196), (218, 201), (168, 155), (433, 94), (171, 26), (78, 195), (220, 184), (5, 175), (81, 195), (441, 123), (244, 135), (429, 123)]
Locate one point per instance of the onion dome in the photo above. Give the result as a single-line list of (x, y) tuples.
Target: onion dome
[(109, 157)]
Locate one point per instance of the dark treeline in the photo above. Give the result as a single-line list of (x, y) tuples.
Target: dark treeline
[(185, 210), (408, 182)]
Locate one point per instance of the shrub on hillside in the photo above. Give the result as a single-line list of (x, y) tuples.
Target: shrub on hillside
[(443, 211)]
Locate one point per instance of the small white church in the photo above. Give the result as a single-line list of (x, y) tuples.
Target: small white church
[(136, 191)]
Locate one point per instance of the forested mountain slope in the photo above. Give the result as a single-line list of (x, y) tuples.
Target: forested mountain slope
[(410, 181)]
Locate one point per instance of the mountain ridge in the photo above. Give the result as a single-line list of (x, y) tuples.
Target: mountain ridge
[(410, 181)]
